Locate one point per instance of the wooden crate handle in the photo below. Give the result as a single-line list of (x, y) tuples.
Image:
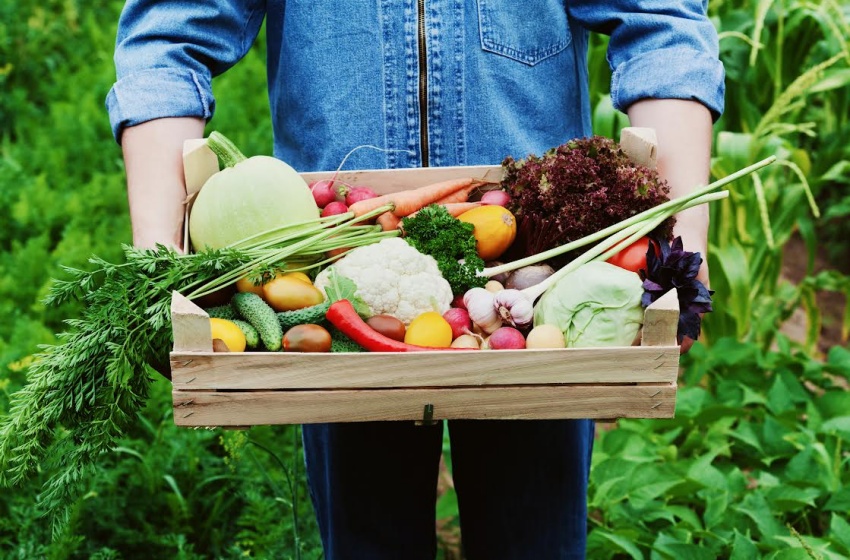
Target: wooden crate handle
[(190, 326), (199, 164), (641, 145), (661, 321)]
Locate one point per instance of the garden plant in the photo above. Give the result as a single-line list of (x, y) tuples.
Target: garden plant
[(755, 464)]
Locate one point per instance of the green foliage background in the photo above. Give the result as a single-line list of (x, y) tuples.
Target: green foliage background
[(756, 461)]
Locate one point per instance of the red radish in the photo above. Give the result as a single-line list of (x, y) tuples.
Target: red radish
[(459, 321), (458, 302), (323, 192), (506, 338), (359, 193), (496, 198), (334, 208)]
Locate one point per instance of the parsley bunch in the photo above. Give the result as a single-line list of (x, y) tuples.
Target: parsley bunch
[(433, 231)]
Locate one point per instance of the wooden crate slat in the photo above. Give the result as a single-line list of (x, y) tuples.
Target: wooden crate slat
[(522, 402), (384, 181), (267, 370)]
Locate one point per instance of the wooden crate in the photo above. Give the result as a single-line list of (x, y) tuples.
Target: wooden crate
[(253, 388)]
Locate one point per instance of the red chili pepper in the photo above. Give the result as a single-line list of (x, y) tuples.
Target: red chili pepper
[(342, 315)]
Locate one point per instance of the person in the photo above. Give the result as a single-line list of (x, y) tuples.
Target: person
[(435, 83)]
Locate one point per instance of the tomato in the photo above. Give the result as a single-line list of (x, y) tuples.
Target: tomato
[(289, 292), (388, 326), (632, 257), (307, 338)]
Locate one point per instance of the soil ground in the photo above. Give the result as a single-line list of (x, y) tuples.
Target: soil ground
[(831, 304)]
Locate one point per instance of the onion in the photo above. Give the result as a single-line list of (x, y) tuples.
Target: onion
[(528, 276), (506, 338), (466, 341), (502, 277), (493, 286), (459, 321), (496, 198), (545, 336)]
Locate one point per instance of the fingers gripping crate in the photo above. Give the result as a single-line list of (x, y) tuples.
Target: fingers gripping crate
[(254, 388)]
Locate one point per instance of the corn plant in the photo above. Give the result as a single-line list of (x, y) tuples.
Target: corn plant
[(787, 68)]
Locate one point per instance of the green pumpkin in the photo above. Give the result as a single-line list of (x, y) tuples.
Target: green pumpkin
[(250, 196)]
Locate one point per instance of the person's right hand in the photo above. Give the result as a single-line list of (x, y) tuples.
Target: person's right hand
[(156, 189)]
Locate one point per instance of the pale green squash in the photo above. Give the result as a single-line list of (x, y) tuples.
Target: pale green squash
[(249, 196)]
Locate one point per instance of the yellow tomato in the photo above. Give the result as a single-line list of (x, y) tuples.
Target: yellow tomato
[(246, 284), (299, 276), (288, 293), (229, 333), (429, 329)]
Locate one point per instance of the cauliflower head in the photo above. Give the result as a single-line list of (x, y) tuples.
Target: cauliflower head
[(393, 278)]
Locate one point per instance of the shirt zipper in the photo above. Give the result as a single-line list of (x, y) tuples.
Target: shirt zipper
[(423, 83)]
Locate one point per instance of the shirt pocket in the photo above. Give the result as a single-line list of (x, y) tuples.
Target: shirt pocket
[(528, 31)]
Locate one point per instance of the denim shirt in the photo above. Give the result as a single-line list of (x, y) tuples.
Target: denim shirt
[(434, 82)]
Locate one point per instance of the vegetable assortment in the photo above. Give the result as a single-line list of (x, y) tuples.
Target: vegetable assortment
[(279, 272), (429, 285)]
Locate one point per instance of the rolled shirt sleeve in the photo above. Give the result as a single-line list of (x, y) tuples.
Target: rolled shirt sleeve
[(167, 53), (658, 50)]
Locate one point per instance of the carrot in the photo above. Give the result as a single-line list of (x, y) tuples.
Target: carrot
[(407, 202), (388, 221), (455, 208), (461, 195)]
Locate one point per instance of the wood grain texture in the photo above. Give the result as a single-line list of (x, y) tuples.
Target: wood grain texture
[(641, 145), (529, 402), (190, 326), (269, 370), (384, 181), (661, 321)]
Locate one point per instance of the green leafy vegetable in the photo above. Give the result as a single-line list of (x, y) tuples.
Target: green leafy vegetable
[(433, 231), (575, 190), (598, 304)]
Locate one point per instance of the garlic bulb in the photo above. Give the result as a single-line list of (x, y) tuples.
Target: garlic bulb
[(514, 307), (482, 309)]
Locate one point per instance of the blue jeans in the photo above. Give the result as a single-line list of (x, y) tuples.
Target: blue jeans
[(521, 487)]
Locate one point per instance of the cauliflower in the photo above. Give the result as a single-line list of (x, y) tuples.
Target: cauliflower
[(393, 278)]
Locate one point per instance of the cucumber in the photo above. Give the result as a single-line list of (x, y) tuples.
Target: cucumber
[(261, 316), (252, 337), (314, 314)]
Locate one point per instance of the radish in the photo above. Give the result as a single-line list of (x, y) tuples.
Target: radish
[(496, 198), (506, 338), (459, 321), (458, 301), (323, 192), (357, 194), (334, 208)]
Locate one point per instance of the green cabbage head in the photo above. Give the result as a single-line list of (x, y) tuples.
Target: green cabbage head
[(598, 304)]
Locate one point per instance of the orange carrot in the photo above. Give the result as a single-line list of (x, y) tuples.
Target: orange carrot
[(461, 195), (455, 208), (388, 221), (407, 202)]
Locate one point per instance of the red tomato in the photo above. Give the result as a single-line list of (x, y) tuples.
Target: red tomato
[(632, 257)]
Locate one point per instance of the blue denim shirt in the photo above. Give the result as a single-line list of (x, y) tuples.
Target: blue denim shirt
[(439, 82)]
